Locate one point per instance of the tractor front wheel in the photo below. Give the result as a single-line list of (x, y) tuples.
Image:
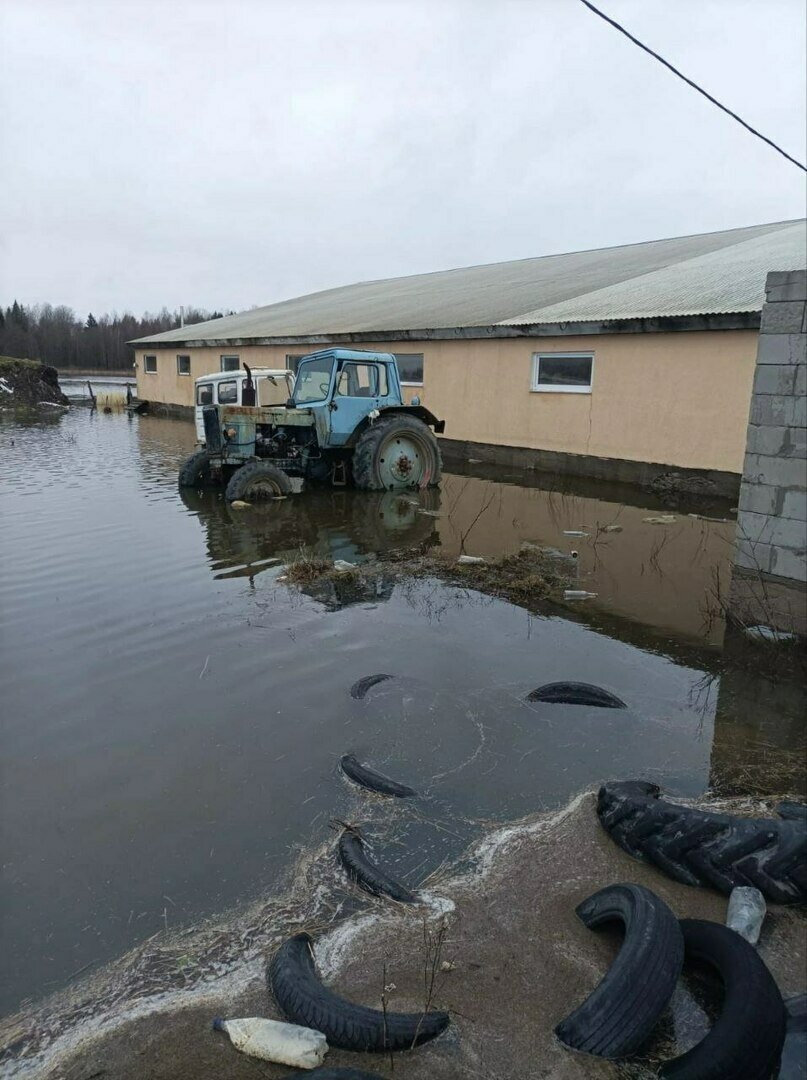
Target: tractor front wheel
[(397, 451), (195, 472), (257, 480)]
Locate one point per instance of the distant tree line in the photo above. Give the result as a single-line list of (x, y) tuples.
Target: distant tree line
[(56, 336)]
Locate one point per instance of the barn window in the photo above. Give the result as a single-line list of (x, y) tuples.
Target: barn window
[(183, 365), (150, 365), (230, 363), (562, 373), (410, 368)]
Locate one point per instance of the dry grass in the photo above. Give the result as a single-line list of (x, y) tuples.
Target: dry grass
[(308, 568)]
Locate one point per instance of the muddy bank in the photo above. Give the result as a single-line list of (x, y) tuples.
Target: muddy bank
[(27, 383), (519, 962)]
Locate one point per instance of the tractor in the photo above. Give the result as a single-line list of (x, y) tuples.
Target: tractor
[(345, 423)]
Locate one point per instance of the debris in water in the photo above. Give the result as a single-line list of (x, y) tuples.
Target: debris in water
[(342, 566), (612, 528), (660, 519), (271, 1040), (768, 633), (239, 504), (470, 560), (578, 594), (575, 532)]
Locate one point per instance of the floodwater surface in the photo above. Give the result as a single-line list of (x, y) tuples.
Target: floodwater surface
[(173, 715)]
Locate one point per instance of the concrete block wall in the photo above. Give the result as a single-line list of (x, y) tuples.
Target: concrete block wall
[(772, 518)]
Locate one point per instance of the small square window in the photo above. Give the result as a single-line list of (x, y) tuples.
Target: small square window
[(230, 363), (562, 373), (410, 368), (150, 365), (183, 365), (228, 392), (292, 360)]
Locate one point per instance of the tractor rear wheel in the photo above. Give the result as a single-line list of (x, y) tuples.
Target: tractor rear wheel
[(397, 451), (195, 472), (257, 480)]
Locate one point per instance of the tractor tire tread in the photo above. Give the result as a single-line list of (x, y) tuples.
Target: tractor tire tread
[(364, 872), (369, 443)]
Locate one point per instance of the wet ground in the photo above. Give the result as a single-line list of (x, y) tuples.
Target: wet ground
[(173, 716)]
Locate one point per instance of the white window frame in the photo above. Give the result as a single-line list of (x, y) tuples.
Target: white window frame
[(545, 388), (183, 356), (412, 382), (229, 356), (146, 369)]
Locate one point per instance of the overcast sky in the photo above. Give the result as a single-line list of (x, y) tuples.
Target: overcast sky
[(236, 153)]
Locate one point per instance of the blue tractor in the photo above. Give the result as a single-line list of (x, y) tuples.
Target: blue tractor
[(345, 423)]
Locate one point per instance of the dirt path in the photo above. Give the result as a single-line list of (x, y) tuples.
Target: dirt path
[(520, 962)]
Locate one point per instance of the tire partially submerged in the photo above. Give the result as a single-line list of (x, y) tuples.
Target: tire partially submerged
[(621, 1012), (746, 1040), (359, 688), (195, 471), (373, 781), (576, 693), (365, 872), (303, 999), (698, 847)]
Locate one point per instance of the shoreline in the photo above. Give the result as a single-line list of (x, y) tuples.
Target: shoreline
[(515, 948)]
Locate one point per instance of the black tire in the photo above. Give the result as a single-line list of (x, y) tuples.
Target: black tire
[(746, 1041), (576, 693), (257, 480), (419, 464), (329, 1073), (195, 471), (792, 811), (373, 781), (359, 688), (365, 873), (697, 847), (621, 1012), (793, 1065), (303, 999)]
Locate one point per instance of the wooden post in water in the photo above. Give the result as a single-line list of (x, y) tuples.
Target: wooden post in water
[(92, 395)]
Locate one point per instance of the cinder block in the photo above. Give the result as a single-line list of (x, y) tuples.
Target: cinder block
[(758, 499), (755, 528), (800, 382), (792, 285), (777, 278), (774, 441), (753, 556), (796, 411), (784, 318), (794, 443), (789, 564), (794, 505), (774, 471), (774, 378), (782, 349), (770, 408)]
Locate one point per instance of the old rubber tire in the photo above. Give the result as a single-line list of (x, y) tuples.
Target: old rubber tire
[(303, 999), (361, 869), (746, 1040), (397, 451), (619, 1015), (195, 471), (257, 480)]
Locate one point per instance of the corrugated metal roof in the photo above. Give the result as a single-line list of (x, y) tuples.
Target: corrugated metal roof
[(706, 273), (732, 279)]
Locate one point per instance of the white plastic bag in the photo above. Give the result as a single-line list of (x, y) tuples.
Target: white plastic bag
[(270, 1040)]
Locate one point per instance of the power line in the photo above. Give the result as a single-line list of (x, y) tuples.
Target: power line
[(689, 82)]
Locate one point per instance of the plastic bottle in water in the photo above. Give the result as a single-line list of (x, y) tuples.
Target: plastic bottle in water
[(270, 1040), (746, 912)]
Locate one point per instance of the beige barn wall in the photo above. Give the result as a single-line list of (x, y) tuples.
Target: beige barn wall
[(676, 399)]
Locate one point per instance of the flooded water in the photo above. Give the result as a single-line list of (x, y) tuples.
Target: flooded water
[(173, 716)]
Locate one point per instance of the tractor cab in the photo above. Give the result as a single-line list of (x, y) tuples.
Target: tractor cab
[(258, 386)]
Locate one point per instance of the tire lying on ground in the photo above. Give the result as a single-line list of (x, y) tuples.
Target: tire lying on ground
[(697, 847), (257, 480), (373, 781), (794, 1052), (359, 688), (365, 872), (576, 693), (746, 1041), (303, 999), (621, 1012), (195, 471)]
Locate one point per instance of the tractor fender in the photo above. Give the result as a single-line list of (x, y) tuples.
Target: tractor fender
[(420, 411)]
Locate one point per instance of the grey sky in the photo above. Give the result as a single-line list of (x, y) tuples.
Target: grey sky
[(231, 154)]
